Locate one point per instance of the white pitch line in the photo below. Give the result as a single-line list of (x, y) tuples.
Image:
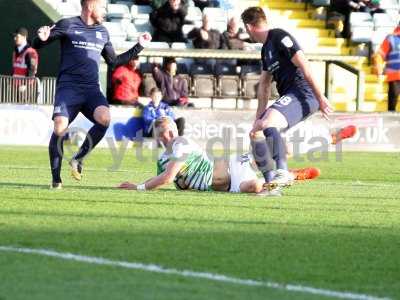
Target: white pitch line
[(188, 273)]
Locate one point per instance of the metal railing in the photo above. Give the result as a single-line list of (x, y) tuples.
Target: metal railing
[(19, 89), (48, 90)]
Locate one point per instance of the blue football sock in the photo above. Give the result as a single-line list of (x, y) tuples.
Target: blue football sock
[(263, 159), (56, 151), (277, 147), (94, 136)]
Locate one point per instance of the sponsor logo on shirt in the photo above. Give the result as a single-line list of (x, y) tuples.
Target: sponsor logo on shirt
[(78, 32), (287, 41)]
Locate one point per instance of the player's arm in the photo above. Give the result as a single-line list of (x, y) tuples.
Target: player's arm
[(114, 60), (48, 34), (166, 177), (263, 92), (302, 63)]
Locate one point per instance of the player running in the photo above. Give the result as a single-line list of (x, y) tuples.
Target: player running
[(300, 97), (83, 40), (188, 167)]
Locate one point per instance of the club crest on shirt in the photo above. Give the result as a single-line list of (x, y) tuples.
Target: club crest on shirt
[(99, 35), (287, 41)]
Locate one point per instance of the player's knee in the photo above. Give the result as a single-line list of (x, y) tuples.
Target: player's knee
[(104, 120), (60, 127), (256, 135), (102, 116)]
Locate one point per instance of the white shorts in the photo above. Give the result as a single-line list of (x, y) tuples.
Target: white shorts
[(240, 170)]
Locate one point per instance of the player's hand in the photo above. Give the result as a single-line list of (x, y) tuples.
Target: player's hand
[(44, 32), (325, 107), (145, 39), (128, 186)]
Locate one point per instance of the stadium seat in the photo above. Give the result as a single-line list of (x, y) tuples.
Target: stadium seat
[(362, 26), (118, 11), (203, 82), (194, 14), (228, 82), (158, 45), (116, 31), (148, 81), (67, 9), (215, 13), (250, 75), (143, 25), (141, 11), (383, 20), (221, 26), (183, 60), (321, 2), (389, 4)]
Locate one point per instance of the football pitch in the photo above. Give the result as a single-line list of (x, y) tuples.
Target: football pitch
[(337, 237)]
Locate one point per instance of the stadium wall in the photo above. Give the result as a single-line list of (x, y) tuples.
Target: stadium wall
[(216, 129), (30, 14)]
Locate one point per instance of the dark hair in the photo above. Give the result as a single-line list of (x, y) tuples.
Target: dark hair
[(254, 15), (154, 90), (169, 60)]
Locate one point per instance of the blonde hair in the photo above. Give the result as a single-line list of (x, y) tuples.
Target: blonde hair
[(163, 124)]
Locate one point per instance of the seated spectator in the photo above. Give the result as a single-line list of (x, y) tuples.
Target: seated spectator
[(156, 109), (173, 87), (205, 37), (235, 37), (126, 82), (168, 21), (206, 3)]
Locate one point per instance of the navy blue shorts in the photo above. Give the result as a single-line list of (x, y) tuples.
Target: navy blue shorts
[(295, 106), (69, 101)]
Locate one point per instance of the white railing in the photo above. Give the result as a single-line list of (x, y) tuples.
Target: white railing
[(19, 89)]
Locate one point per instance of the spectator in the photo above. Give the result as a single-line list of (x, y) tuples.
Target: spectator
[(156, 109), (25, 58), (235, 37), (168, 21), (206, 3), (205, 37), (126, 82), (389, 56), (173, 87)]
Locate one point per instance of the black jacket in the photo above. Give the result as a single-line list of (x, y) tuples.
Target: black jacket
[(168, 23)]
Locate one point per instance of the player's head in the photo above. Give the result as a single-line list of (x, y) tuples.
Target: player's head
[(255, 21), (175, 4), (165, 130), (155, 95), (20, 36), (96, 9)]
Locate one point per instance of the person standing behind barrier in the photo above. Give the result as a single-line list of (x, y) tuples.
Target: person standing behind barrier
[(389, 55), (25, 59)]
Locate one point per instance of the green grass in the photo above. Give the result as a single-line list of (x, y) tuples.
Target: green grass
[(340, 232)]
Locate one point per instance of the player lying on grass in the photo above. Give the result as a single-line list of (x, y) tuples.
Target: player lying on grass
[(186, 165)]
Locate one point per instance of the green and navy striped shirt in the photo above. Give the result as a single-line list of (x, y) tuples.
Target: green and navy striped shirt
[(197, 171)]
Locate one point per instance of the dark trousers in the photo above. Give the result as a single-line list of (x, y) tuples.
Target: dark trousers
[(394, 92), (180, 123)]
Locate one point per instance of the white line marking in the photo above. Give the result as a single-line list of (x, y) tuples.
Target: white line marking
[(188, 273)]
